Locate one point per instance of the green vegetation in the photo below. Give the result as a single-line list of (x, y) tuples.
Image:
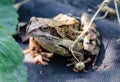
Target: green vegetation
[(12, 68)]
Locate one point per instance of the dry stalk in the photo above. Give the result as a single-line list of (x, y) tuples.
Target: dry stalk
[(17, 5), (116, 9), (104, 3), (109, 10)]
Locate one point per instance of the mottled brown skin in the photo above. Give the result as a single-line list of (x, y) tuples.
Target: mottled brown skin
[(57, 34), (91, 41)]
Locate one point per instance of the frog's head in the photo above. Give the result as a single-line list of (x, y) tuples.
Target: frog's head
[(40, 28), (37, 24), (80, 66)]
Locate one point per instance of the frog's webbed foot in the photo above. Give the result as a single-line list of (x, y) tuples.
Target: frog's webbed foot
[(43, 58), (39, 59), (36, 51)]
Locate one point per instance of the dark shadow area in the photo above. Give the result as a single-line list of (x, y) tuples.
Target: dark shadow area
[(54, 72), (101, 54)]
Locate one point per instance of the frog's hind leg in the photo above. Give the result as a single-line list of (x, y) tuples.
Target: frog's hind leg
[(94, 62)]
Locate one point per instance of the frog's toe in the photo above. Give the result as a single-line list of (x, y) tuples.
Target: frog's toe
[(46, 54), (75, 70), (39, 59), (95, 67), (46, 59), (85, 71), (26, 51), (70, 64)]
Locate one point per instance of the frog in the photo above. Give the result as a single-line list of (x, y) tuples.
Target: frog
[(91, 39), (56, 35)]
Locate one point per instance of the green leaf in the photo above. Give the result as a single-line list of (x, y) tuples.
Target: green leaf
[(7, 2), (0, 27), (17, 75), (11, 57), (8, 18)]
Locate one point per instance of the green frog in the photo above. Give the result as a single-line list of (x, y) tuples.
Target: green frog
[(56, 35)]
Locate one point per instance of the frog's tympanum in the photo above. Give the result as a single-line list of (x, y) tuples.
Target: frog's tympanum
[(55, 35)]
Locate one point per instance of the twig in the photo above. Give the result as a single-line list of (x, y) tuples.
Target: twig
[(104, 3), (116, 9), (98, 18), (17, 5)]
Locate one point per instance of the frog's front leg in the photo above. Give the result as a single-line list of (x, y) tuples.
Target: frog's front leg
[(36, 51), (43, 58)]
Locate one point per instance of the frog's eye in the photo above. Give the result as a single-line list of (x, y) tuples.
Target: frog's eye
[(44, 28)]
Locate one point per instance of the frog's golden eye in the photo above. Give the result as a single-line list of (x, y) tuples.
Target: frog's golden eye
[(44, 28)]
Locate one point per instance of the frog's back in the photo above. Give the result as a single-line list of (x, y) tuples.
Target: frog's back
[(69, 26), (63, 25)]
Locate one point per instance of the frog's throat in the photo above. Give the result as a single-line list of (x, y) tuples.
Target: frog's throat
[(51, 44)]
